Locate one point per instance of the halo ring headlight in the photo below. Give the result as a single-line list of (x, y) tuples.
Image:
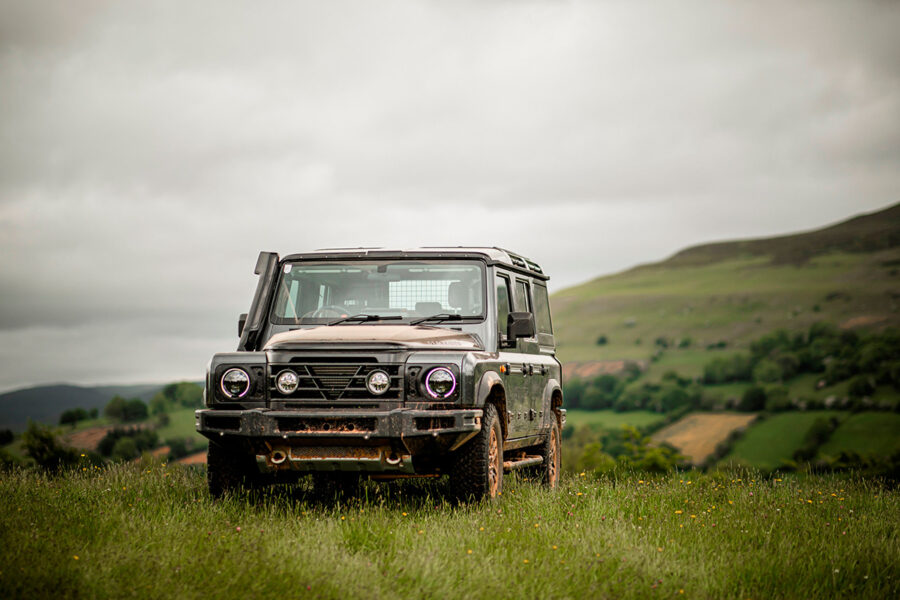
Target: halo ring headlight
[(378, 382), (440, 383), (235, 383), (287, 382)]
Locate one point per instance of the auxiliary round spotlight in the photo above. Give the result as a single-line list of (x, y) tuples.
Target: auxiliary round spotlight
[(378, 382), (287, 382)]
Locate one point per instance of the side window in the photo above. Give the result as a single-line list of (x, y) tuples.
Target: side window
[(542, 309), (523, 298), (502, 284)]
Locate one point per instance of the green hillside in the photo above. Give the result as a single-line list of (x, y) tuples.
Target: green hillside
[(728, 293), (769, 443)]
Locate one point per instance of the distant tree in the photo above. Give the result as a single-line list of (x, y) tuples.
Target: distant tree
[(39, 443), (135, 410), (573, 392), (93, 413), (662, 342), (125, 449), (115, 409), (767, 371), (6, 437), (754, 399), (189, 394), (685, 342), (601, 340), (158, 404), (861, 386), (72, 416)]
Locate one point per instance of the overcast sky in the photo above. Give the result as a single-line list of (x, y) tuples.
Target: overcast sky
[(149, 151)]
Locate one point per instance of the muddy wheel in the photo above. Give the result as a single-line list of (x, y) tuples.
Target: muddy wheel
[(335, 486), (229, 470), (477, 470), (550, 452)]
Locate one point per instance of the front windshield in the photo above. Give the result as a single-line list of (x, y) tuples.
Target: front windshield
[(321, 292)]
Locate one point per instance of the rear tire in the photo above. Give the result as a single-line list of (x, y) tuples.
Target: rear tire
[(477, 469), (229, 470), (550, 452)]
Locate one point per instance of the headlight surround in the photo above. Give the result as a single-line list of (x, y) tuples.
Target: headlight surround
[(235, 383), (287, 382), (378, 382), (440, 383)]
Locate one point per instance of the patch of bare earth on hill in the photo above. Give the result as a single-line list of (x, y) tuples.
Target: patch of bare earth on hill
[(596, 368), (863, 321), (89, 439), (697, 435), (198, 458)]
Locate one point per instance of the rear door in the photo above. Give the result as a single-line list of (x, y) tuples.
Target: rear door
[(532, 371)]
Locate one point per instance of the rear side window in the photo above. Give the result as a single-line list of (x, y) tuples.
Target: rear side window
[(542, 310), (523, 301), (502, 304)]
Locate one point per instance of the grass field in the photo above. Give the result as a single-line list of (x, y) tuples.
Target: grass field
[(865, 433), (124, 532), (769, 442), (181, 425), (610, 419)]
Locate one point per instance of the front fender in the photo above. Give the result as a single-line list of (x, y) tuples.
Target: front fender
[(485, 384)]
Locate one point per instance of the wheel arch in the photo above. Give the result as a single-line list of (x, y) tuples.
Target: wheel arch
[(491, 391)]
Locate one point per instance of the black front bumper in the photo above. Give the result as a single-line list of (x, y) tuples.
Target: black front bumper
[(339, 439)]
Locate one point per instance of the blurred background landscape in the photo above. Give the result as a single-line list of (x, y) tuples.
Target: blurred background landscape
[(779, 354)]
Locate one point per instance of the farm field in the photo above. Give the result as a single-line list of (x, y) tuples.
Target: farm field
[(125, 531), (865, 433), (767, 443), (181, 425), (610, 419), (697, 435)]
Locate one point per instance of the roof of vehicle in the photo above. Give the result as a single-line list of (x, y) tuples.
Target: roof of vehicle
[(494, 255)]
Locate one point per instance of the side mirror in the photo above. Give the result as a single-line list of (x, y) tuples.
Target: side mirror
[(521, 325), (242, 320)]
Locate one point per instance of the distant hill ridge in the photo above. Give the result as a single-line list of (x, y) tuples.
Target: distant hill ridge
[(865, 233), (46, 403)]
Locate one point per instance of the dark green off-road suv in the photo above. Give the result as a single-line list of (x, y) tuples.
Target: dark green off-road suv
[(388, 364)]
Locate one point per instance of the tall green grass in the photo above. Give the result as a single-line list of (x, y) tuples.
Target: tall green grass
[(153, 532)]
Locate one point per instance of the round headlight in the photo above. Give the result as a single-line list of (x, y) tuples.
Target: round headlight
[(378, 382), (440, 383), (287, 382), (235, 383)]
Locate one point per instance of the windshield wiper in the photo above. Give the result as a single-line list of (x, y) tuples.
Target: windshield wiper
[(440, 317), (362, 318)]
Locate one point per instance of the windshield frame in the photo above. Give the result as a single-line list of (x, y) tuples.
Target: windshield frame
[(275, 320)]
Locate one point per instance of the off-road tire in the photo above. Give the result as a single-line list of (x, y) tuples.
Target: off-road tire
[(549, 470), (229, 470), (477, 468)]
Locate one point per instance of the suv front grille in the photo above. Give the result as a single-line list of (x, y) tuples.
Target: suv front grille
[(337, 381)]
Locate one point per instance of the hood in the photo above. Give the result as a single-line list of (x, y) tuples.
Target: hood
[(410, 336)]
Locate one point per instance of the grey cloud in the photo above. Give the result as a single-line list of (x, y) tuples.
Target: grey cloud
[(148, 151)]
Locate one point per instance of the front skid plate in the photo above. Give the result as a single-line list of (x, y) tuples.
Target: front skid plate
[(373, 459)]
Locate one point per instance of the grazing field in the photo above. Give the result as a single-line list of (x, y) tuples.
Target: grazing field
[(865, 433), (154, 532), (181, 425), (697, 435), (610, 419), (767, 443)]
